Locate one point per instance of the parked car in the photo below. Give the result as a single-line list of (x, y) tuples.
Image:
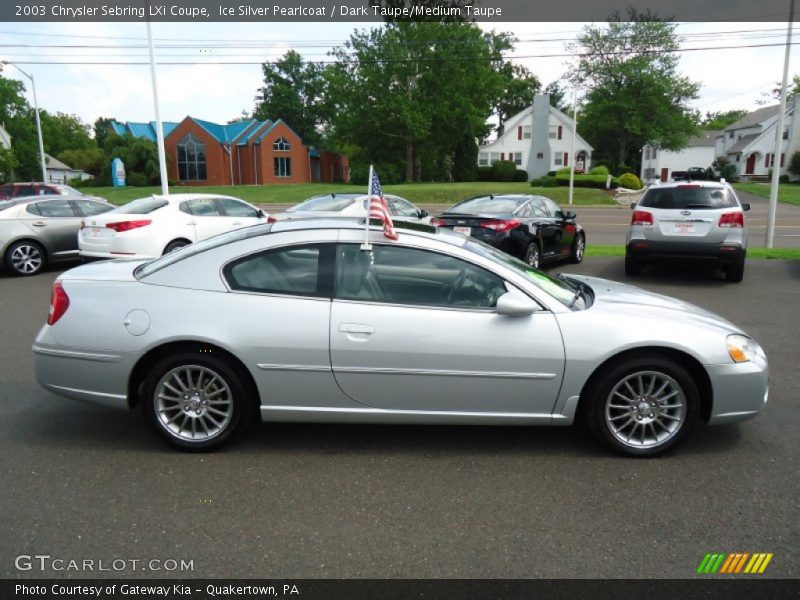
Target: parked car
[(33, 188), (532, 228), (699, 222), (156, 225), (350, 205), (294, 321), (38, 230)]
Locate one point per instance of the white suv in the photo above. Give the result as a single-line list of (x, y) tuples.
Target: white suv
[(689, 221)]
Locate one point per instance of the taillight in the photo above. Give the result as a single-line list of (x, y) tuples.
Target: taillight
[(641, 217), (59, 303), (501, 226), (437, 222), (731, 219), (121, 226), (271, 219)]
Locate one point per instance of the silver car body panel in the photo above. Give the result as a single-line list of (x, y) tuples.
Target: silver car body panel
[(317, 359)]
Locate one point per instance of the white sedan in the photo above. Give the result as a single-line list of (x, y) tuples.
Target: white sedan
[(156, 225), (350, 205)]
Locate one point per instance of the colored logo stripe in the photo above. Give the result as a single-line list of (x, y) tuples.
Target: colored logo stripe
[(735, 562)]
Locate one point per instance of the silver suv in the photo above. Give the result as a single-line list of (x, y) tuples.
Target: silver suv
[(691, 221)]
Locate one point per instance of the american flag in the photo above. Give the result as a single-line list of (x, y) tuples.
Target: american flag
[(378, 208)]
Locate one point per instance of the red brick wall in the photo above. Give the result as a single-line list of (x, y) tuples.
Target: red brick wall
[(298, 155), (217, 167)]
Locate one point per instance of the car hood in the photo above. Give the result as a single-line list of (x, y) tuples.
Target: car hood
[(120, 269), (630, 299)]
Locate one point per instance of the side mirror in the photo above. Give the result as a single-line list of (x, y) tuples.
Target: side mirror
[(745, 206), (515, 305), (570, 215), (261, 214), (633, 205), (421, 214)]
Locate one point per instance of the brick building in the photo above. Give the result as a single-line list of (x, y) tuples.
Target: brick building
[(245, 153)]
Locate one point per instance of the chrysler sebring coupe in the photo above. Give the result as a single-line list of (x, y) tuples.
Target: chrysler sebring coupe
[(302, 321)]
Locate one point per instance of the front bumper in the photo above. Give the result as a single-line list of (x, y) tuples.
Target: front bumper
[(648, 251), (740, 390)]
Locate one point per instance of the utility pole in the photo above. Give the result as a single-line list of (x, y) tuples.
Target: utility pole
[(572, 151), (773, 192), (162, 156), (38, 121)]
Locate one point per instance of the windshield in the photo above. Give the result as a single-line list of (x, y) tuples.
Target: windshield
[(142, 206), (66, 190), (497, 205), (558, 288), (325, 203), (689, 196), (208, 244)]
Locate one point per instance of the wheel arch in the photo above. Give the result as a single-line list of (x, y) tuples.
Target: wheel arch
[(177, 239), (686, 360), (31, 240), (154, 355)]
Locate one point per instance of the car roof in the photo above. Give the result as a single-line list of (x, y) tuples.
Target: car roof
[(693, 183), (45, 197), (173, 198)]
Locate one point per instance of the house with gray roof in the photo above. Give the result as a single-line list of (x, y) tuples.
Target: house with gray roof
[(660, 164)]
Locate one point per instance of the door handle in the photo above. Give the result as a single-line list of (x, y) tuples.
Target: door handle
[(40, 224), (236, 223), (191, 223), (356, 328)]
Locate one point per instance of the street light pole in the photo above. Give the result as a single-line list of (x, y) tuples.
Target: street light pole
[(162, 155), (38, 121), (572, 151)]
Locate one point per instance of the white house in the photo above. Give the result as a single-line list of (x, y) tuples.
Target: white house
[(539, 140), (699, 152), (58, 172), (749, 143)]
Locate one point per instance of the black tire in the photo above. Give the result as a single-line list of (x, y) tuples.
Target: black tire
[(25, 258), (533, 255), (735, 273), (578, 249), (164, 415), (599, 410), (632, 266), (175, 245)]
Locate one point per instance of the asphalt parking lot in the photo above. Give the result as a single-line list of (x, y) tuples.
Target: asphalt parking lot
[(80, 481)]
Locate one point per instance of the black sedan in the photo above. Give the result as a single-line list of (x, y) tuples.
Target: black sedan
[(532, 228)]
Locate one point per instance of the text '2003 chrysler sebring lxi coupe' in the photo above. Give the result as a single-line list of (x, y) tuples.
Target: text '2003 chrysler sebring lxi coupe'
[(295, 321)]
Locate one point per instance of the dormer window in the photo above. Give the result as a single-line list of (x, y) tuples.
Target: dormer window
[(281, 145)]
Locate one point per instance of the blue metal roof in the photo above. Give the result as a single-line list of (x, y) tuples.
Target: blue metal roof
[(252, 132), (142, 130)]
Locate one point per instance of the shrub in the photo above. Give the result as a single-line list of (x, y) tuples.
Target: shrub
[(503, 170), (794, 164), (590, 181), (520, 175), (484, 173), (551, 173), (548, 181), (599, 170), (622, 169), (79, 182), (728, 172), (563, 171), (136, 179), (783, 178), (630, 181)]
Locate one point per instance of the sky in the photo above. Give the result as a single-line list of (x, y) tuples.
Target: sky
[(730, 78)]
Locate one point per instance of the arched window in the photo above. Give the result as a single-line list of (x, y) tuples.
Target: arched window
[(281, 145), (191, 159)]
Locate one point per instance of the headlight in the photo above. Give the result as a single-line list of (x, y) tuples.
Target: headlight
[(742, 349)]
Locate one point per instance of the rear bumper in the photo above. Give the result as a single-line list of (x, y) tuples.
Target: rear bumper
[(647, 251)]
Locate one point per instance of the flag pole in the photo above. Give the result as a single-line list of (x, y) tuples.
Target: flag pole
[(366, 245)]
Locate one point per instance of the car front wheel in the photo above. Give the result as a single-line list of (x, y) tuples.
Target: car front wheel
[(532, 255), (642, 406), (195, 401), (25, 258), (578, 248)]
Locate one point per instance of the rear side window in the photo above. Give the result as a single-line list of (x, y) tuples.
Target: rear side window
[(203, 207), (234, 208), (293, 270), (142, 206), (25, 190), (52, 208), (689, 197), (89, 207), (488, 205)]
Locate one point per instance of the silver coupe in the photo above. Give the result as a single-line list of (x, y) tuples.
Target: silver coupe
[(297, 321)]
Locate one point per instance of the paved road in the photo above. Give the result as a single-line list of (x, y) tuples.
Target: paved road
[(607, 225), (80, 481)]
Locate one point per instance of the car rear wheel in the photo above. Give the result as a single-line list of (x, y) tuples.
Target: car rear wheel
[(25, 258), (632, 266), (196, 401), (735, 273), (175, 245), (642, 406), (578, 248), (532, 255)]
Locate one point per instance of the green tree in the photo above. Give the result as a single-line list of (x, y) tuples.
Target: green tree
[(7, 164), (793, 87), (64, 132), (294, 91), (721, 120), (87, 159), (635, 92), (139, 155), (409, 93), (102, 127), (558, 96), (19, 120), (520, 85)]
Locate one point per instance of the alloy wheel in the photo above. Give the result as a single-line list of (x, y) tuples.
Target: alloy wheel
[(26, 259)]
